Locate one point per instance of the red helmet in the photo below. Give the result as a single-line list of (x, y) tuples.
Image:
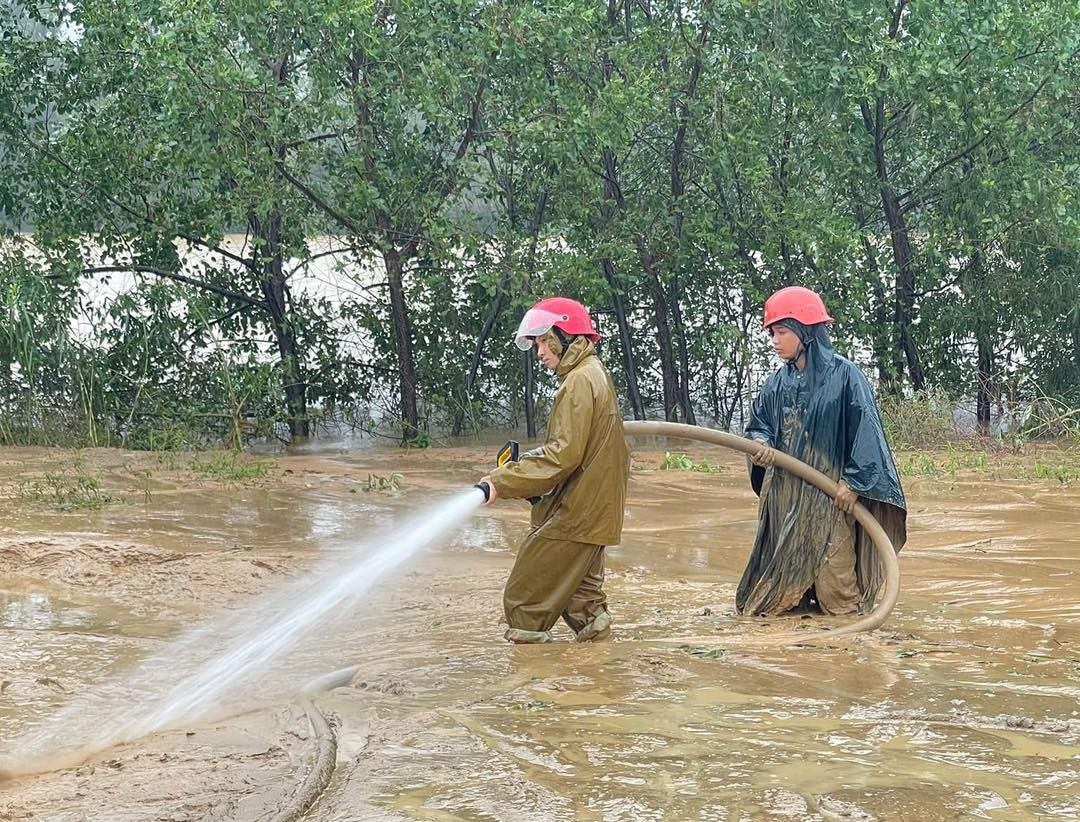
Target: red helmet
[(796, 303), (555, 312)]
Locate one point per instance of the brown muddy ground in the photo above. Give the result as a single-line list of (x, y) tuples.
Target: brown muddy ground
[(964, 707)]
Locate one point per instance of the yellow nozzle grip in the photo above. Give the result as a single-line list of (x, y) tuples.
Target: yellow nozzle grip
[(508, 453)]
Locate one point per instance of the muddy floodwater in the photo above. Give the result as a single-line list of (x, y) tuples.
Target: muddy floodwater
[(966, 705)]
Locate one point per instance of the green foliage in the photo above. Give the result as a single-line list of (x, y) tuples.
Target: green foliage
[(947, 463), (163, 435), (421, 440), (230, 467), (681, 462), (923, 421), (186, 171), (1064, 473), (71, 488)]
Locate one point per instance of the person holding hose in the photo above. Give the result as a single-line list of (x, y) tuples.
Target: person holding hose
[(809, 553), (579, 475)]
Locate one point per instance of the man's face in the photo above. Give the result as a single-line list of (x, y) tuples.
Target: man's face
[(785, 342), (545, 354)]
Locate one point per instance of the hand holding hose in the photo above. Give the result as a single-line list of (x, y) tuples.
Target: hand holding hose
[(846, 499), (492, 492), (764, 456)]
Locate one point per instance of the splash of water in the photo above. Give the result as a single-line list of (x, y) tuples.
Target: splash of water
[(228, 662)]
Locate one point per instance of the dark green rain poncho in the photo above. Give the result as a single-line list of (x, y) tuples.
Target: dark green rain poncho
[(824, 415)]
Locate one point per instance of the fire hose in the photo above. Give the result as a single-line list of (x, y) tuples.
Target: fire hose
[(882, 544)]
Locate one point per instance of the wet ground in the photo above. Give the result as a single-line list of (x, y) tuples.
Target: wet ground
[(964, 707)]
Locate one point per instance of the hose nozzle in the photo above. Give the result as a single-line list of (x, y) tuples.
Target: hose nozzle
[(484, 488)]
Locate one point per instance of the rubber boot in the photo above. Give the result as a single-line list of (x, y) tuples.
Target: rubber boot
[(599, 630), (519, 636)]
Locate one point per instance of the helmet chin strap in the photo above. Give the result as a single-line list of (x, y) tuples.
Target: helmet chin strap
[(794, 359), (563, 338), (556, 342), (801, 351)]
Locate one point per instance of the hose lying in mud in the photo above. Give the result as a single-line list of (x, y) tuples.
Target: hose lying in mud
[(891, 588), (325, 757), (322, 764)]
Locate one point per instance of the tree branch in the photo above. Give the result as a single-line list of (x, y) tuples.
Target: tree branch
[(321, 204), (331, 252), (898, 16), (180, 278), (447, 187), (987, 133), (315, 138), (45, 152)]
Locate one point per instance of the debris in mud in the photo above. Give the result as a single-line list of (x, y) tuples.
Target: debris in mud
[(393, 687), (1068, 728), (532, 705), (907, 653), (991, 802), (837, 809), (704, 653), (391, 484)]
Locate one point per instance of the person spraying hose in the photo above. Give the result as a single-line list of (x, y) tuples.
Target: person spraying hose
[(579, 475), (809, 553)]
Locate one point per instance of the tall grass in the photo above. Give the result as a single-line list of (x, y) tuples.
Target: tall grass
[(923, 421)]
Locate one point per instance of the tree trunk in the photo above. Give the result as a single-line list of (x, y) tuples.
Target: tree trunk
[(742, 373), (904, 301), (500, 291), (880, 337), (481, 344), (625, 340), (681, 112), (684, 357), (663, 333), (530, 396), (714, 385), (886, 376), (395, 252), (613, 192), (530, 268), (274, 289), (399, 314), (974, 285), (985, 380)]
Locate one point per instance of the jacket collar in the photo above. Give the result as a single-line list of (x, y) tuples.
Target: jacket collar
[(580, 350)]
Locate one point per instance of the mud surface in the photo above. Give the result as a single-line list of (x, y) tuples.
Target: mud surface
[(966, 706)]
